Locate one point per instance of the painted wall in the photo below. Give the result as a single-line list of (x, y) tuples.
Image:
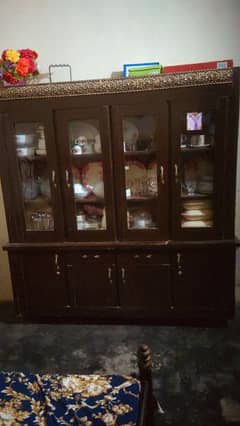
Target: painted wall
[(97, 37)]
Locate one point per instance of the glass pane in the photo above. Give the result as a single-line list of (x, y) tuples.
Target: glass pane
[(34, 174), (139, 133), (88, 181), (140, 168), (88, 188), (84, 137), (197, 170)]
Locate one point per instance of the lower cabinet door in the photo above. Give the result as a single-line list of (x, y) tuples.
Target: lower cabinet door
[(92, 280), (45, 287), (145, 282), (203, 281)]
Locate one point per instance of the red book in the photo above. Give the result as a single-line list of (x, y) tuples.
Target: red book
[(216, 65)]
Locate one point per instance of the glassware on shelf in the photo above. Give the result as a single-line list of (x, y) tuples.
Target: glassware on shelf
[(91, 217), (190, 186), (81, 220), (30, 189), (84, 137), (205, 185), (138, 133), (42, 221), (140, 219)]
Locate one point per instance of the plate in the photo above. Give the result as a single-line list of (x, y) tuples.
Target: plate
[(196, 215), (82, 129), (197, 224), (92, 177), (130, 132), (152, 178), (134, 170), (189, 205)]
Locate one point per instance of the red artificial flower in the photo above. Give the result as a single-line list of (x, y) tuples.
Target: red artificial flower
[(32, 66), (9, 78), (28, 53), (22, 67), (4, 55)]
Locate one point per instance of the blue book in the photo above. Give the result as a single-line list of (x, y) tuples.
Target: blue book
[(145, 65)]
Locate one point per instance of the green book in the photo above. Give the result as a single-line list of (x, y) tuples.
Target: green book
[(144, 71)]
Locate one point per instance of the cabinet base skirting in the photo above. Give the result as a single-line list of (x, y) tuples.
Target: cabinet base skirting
[(187, 284), (200, 320)]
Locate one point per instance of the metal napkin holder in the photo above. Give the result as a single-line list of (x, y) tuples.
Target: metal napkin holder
[(50, 68)]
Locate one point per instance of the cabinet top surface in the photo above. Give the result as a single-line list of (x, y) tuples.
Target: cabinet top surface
[(120, 85)]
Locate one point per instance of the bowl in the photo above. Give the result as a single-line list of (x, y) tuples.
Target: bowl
[(80, 190), (142, 219)]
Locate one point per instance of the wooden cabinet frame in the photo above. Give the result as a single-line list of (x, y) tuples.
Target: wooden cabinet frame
[(163, 261)]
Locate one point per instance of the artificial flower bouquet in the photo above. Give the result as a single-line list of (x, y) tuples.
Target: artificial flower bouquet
[(16, 66)]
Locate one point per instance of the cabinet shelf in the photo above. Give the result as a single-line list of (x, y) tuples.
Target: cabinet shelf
[(83, 158), (197, 149), (141, 199), (92, 200), (196, 196), (142, 154), (32, 158)]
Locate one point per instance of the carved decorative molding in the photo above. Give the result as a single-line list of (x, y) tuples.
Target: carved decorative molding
[(121, 85)]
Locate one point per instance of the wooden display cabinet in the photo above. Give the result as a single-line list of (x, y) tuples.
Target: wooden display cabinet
[(120, 196)]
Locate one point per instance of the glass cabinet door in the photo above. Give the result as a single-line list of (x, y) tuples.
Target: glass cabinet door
[(85, 150), (142, 186), (88, 198), (35, 167), (196, 172), (33, 170)]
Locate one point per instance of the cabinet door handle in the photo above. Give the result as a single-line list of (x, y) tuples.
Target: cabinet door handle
[(123, 273), (179, 264), (67, 178), (54, 178), (56, 258), (179, 260), (162, 175), (110, 275), (176, 172)]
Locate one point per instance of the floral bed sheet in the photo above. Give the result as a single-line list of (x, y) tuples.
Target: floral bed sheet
[(87, 400)]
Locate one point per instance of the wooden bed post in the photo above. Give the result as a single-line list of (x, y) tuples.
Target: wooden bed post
[(147, 399)]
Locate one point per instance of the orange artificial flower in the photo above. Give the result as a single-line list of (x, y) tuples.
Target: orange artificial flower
[(22, 67)]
